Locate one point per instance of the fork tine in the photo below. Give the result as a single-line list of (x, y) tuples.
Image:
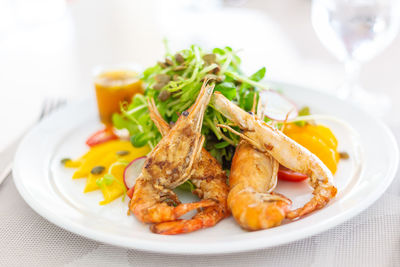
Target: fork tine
[(44, 109), (49, 105), (61, 102)]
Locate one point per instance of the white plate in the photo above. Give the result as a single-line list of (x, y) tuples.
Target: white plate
[(48, 188)]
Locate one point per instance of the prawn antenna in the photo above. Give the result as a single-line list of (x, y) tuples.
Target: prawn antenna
[(238, 133), (253, 108), (286, 119)]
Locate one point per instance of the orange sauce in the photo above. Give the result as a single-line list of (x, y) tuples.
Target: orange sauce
[(114, 87)]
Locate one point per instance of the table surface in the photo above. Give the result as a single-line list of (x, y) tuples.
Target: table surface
[(48, 49)]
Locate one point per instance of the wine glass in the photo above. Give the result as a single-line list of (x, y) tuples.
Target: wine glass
[(355, 31)]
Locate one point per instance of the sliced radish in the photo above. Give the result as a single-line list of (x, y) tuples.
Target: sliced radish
[(276, 106), (132, 171)]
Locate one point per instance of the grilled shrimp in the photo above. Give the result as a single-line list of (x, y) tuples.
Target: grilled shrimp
[(210, 181), (286, 151), (252, 179), (170, 164)]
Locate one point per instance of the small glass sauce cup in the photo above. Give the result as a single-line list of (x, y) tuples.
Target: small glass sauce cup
[(114, 86)]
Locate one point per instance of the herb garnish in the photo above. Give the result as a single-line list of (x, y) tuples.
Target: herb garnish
[(175, 82)]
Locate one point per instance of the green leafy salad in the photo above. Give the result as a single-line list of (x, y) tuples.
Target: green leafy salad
[(175, 82)]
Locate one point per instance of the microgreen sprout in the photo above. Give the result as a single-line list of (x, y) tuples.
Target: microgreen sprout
[(108, 178), (175, 82)]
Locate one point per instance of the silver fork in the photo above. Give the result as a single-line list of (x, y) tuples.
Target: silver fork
[(7, 155)]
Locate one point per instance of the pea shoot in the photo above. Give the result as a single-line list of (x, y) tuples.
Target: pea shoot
[(108, 178)]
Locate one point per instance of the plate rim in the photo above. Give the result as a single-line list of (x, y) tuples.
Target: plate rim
[(254, 244)]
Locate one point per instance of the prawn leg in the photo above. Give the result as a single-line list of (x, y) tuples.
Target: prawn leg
[(155, 211), (204, 219), (322, 195)]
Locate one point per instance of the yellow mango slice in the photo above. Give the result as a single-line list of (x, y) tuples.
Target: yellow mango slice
[(105, 161), (109, 156), (73, 163), (320, 131), (91, 158), (117, 188), (319, 140)]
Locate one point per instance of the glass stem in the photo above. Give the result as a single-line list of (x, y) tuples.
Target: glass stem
[(352, 69)]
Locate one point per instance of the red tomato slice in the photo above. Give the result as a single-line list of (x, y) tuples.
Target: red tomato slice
[(291, 176), (101, 136), (130, 192)]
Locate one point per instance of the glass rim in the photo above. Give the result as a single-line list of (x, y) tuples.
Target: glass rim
[(102, 68)]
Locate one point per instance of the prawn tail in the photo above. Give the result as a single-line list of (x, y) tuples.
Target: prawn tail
[(176, 227), (161, 212), (207, 218), (184, 208), (256, 211), (322, 195)]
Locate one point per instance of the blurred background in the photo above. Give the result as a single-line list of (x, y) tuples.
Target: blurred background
[(48, 48)]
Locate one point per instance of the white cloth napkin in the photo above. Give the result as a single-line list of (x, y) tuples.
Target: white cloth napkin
[(370, 239)]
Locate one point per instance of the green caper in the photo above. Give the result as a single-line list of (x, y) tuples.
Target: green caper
[(175, 77), (65, 160), (215, 70), (162, 64), (158, 86), (178, 68), (168, 62), (179, 58), (123, 152), (97, 170), (162, 78), (164, 95), (209, 58)]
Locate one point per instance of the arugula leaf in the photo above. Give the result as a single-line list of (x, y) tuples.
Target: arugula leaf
[(121, 123), (183, 81), (248, 100), (187, 186), (222, 145), (139, 140), (304, 111), (151, 71), (258, 75), (228, 89), (219, 51)]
